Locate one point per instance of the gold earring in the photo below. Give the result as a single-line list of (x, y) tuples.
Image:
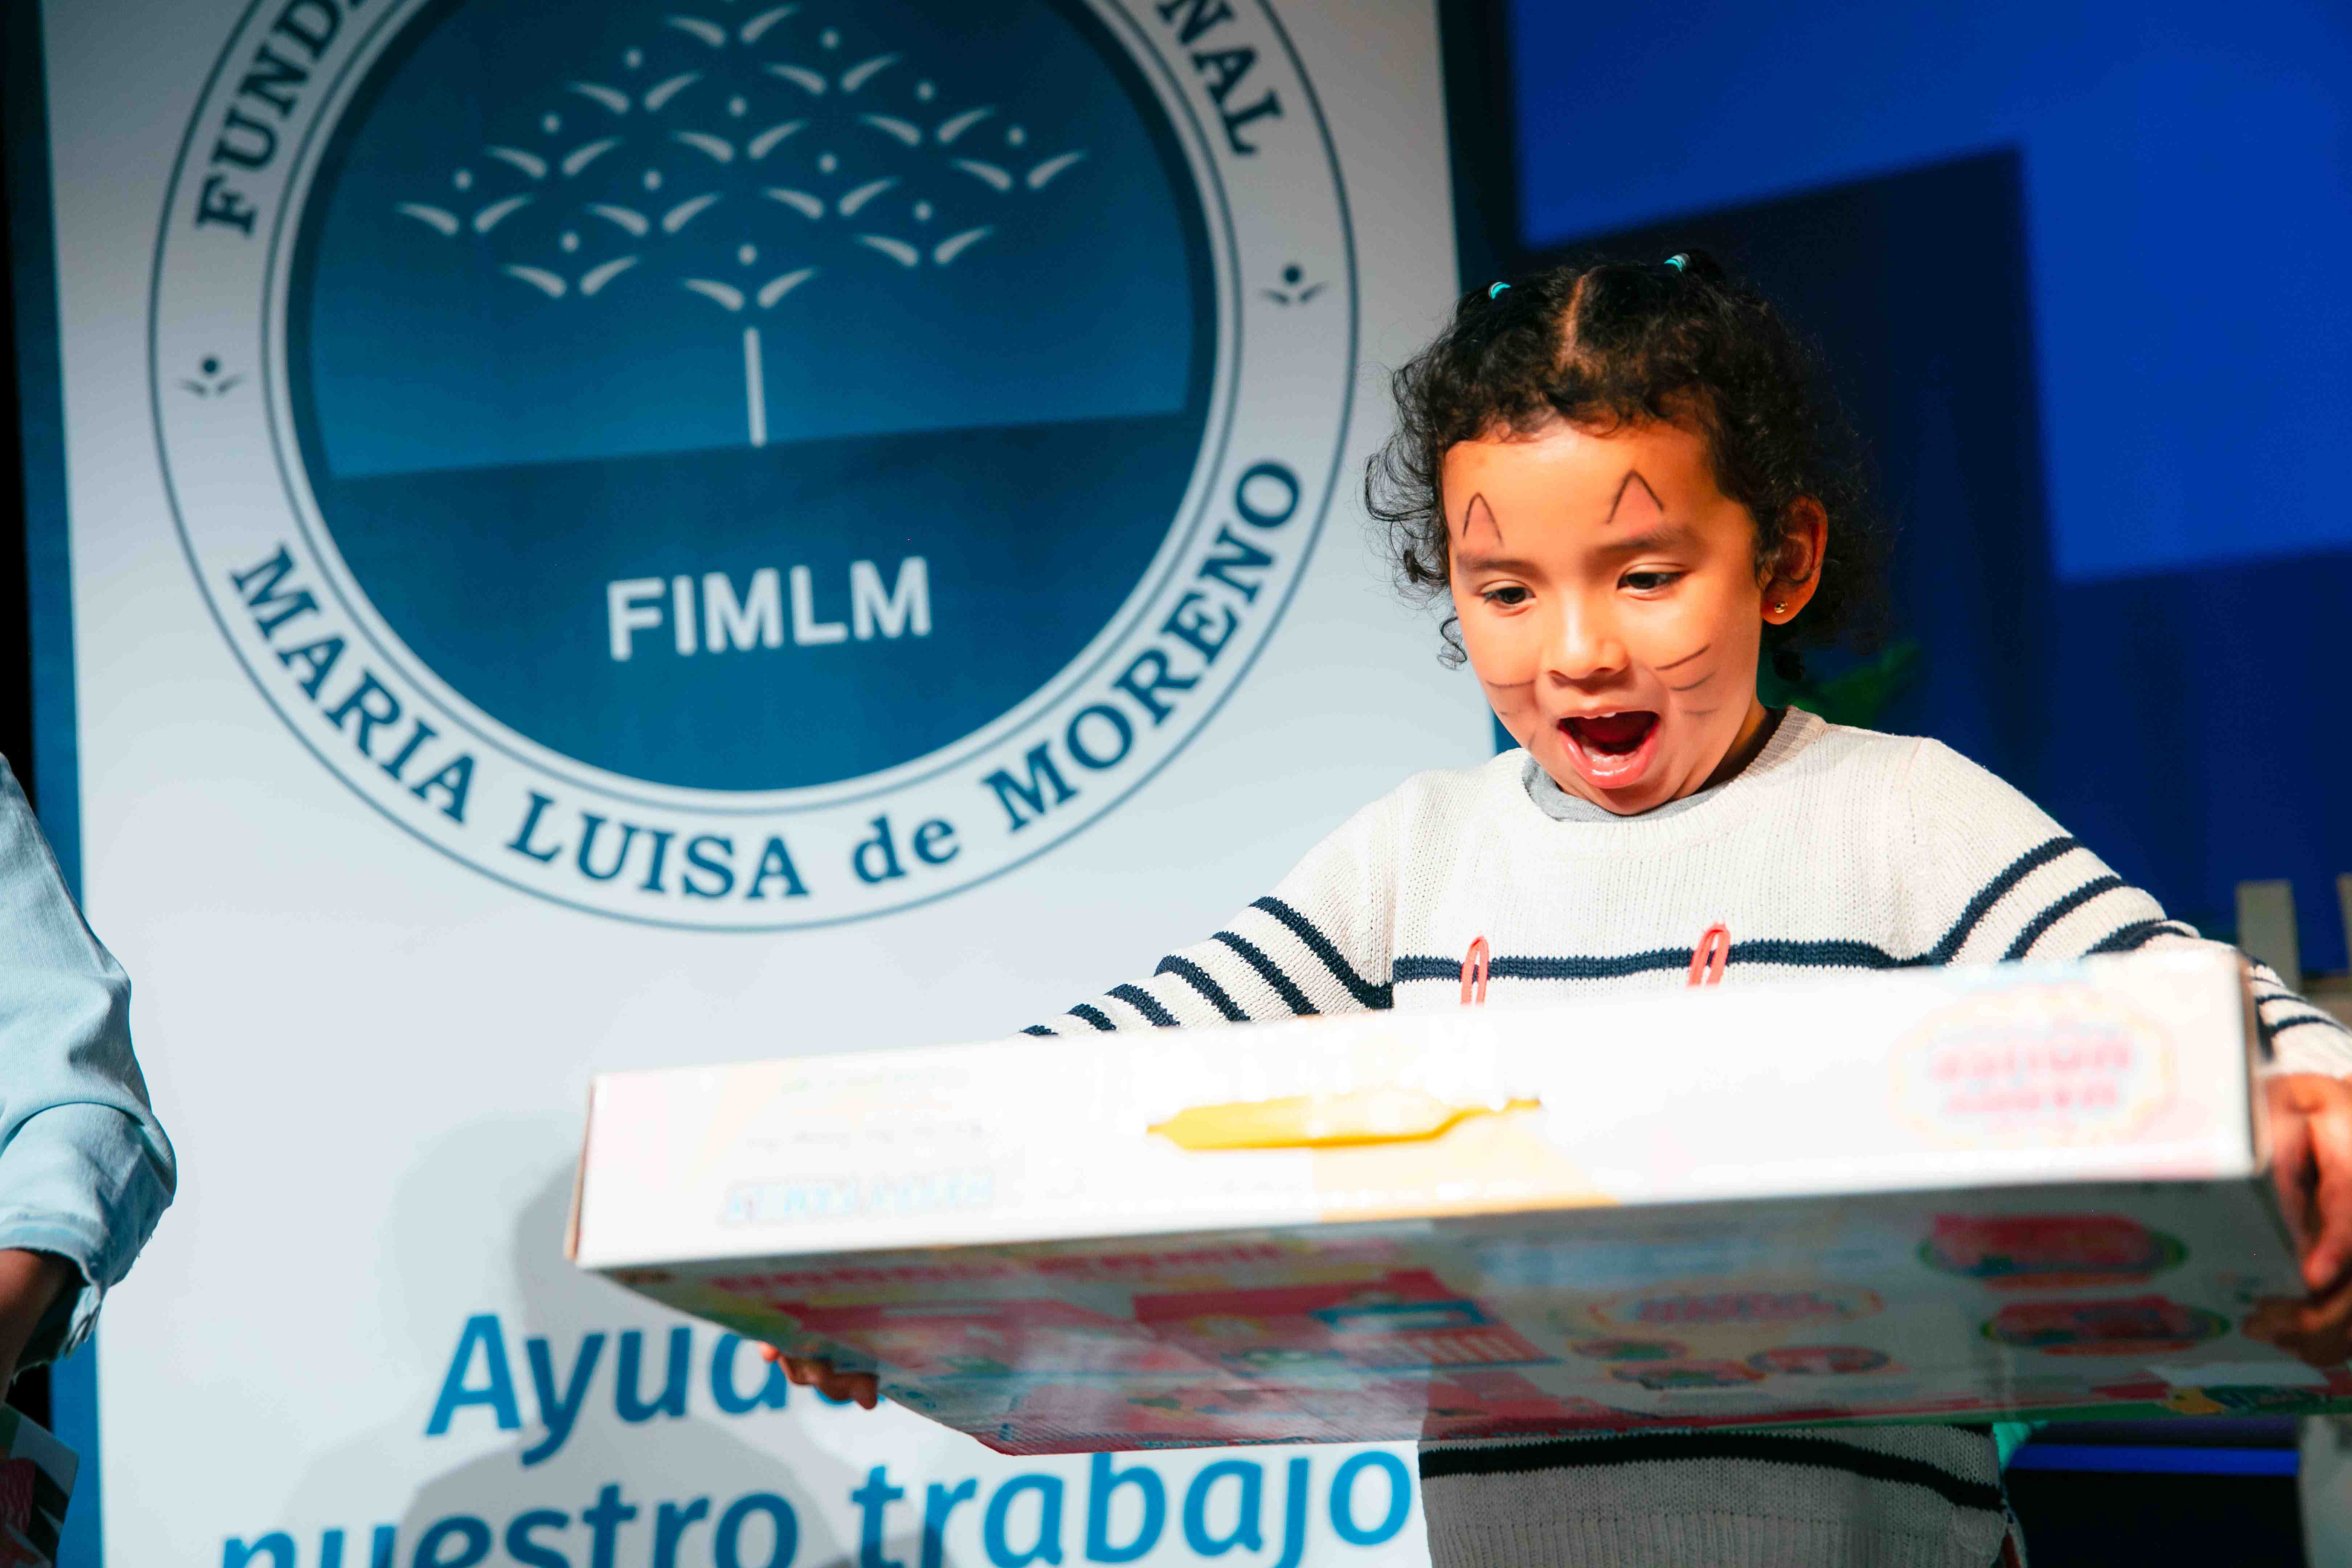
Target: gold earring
[(1781, 608)]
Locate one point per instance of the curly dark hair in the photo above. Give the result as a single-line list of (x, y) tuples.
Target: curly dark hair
[(1620, 343)]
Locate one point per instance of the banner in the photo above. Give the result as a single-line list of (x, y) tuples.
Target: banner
[(612, 533)]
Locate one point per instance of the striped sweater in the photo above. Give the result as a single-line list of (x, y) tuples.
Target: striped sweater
[(1834, 849)]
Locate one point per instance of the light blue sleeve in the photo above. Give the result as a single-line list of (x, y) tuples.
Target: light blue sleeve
[(85, 1168)]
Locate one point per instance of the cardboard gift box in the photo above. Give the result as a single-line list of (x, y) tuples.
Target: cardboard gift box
[(36, 1478), (1948, 1195)]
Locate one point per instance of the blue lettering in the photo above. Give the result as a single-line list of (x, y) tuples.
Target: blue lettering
[(530, 1553), (1048, 1547), (1043, 775), (1102, 1481), (496, 1391), (1294, 1517), (661, 837), (726, 1548), (628, 1401), (454, 780), (1343, 1488), (1190, 621), (472, 1536), (938, 1504), (604, 1519), (1073, 737), (590, 824), (871, 1498), (372, 716), (669, 1529), (558, 1412), (1146, 676), (272, 609), (775, 860), (277, 1543), (935, 843), (772, 1391), (1260, 474), (318, 657), (885, 865), (521, 843), (330, 1548), (1244, 1533), (1246, 557), (697, 859)]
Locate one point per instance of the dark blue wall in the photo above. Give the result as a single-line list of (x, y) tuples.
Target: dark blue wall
[(2080, 271)]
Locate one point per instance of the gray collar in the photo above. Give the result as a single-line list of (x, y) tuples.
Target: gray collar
[(1562, 806)]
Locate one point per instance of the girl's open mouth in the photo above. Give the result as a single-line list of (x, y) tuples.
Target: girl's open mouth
[(1611, 750)]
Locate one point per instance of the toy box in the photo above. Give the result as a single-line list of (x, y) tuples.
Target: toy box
[(36, 1477), (1950, 1194)]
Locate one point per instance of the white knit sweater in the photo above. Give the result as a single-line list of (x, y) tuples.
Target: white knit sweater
[(1835, 848)]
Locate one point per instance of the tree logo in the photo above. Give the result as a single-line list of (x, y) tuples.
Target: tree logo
[(750, 466)]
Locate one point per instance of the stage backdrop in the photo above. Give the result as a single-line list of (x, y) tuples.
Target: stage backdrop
[(610, 533)]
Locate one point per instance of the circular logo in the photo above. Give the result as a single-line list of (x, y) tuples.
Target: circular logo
[(748, 466)]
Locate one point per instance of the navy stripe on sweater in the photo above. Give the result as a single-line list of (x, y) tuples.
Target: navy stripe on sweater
[(1199, 979), (1367, 995), (1143, 1002), (2136, 935), (1655, 1447), (1949, 945), (1269, 972), (1833, 953), (2059, 912)]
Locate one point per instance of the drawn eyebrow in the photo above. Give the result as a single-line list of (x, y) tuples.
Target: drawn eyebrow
[(1634, 477), (1477, 511), (1686, 657)]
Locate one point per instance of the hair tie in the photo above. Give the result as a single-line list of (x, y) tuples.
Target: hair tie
[(1678, 261), (1495, 289)]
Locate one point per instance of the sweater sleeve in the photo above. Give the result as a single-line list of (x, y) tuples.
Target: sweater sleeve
[(1988, 877), (1318, 943), (85, 1168)]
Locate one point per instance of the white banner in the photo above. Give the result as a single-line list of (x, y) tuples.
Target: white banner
[(640, 532)]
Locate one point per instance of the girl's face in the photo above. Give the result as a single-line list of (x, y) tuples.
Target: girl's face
[(1611, 604)]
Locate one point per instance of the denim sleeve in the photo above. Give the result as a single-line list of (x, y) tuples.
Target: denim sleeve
[(85, 1168)]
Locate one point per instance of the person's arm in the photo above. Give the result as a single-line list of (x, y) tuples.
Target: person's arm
[(1989, 877), (1997, 880), (85, 1168), (1318, 943), (34, 1287)]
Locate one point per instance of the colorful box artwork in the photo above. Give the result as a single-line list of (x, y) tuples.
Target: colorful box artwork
[(36, 1478), (2021, 1191)]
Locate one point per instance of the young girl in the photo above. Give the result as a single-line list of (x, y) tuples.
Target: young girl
[(1620, 475)]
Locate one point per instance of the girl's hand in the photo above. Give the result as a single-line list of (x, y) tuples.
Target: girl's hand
[(841, 1387), (2311, 1137)]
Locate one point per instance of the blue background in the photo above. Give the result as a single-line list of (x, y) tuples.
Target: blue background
[(2184, 167), (2080, 272)]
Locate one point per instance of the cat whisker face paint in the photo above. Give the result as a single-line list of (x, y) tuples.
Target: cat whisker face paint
[(1609, 603)]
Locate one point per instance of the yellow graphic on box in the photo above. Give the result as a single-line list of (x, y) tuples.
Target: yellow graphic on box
[(1387, 1115)]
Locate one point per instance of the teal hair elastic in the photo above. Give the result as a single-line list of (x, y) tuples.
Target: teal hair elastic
[(1678, 261), (1495, 289)]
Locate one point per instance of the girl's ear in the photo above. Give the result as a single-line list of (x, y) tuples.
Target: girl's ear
[(1797, 563)]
